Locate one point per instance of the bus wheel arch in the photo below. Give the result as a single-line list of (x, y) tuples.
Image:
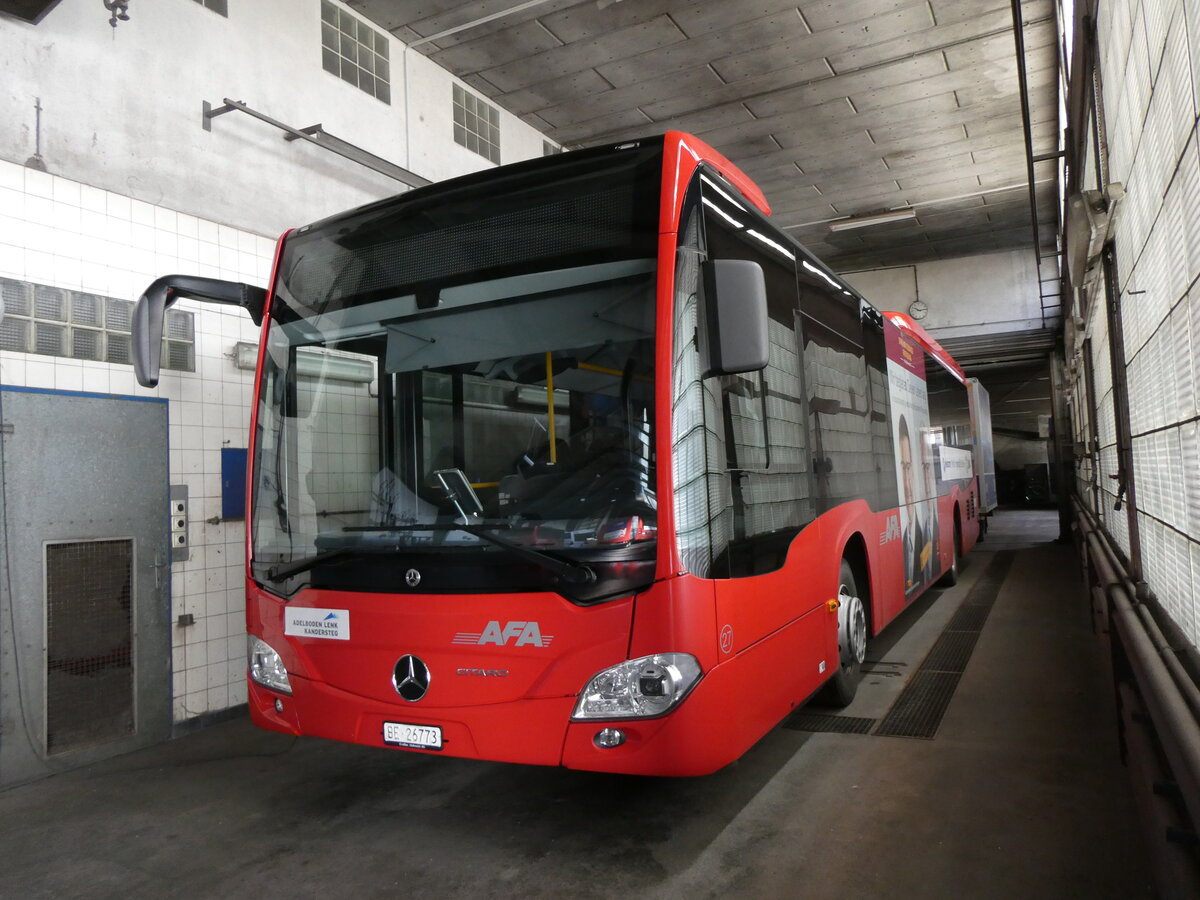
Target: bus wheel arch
[(854, 625)]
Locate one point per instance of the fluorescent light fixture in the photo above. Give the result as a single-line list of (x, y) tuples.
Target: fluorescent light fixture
[(895, 215), (245, 355), (313, 362)]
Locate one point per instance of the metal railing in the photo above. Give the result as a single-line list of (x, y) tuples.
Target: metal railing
[(316, 134)]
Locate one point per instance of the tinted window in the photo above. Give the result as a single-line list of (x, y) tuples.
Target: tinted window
[(843, 406), (762, 428)]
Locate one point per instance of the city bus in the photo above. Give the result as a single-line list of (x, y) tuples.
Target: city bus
[(579, 462)]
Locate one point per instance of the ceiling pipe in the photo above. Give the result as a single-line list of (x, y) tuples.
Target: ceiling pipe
[(482, 20), (1023, 82)]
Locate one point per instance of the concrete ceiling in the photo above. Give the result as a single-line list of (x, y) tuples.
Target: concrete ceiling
[(835, 107)]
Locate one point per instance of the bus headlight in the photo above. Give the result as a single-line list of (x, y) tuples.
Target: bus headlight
[(265, 665), (639, 688)]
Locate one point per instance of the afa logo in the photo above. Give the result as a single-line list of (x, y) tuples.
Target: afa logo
[(521, 634), (891, 532)]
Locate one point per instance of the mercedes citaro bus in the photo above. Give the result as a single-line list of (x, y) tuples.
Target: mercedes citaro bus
[(580, 461)]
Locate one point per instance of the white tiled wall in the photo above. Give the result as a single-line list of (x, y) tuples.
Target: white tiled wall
[(65, 234)]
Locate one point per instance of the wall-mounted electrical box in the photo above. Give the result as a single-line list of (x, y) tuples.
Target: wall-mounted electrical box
[(178, 511)]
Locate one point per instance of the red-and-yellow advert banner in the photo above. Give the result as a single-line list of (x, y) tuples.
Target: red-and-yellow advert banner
[(904, 350)]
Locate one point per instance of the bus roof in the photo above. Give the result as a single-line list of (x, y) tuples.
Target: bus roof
[(678, 144)]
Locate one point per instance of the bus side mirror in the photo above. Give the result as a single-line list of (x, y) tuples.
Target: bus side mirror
[(152, 306), (735, 302)]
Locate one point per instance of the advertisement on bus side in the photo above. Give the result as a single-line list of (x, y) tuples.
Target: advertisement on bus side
[(915, 453)]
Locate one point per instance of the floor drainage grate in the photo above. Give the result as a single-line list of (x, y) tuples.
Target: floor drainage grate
[(802, 720), (918, 711), (969, 618), (951, 652)]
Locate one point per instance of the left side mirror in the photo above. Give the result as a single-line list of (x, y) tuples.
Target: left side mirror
[(152, 307), (735, 301)]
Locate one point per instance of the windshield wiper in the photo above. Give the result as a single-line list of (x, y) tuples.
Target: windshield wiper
[(568, 570), (279, 573)]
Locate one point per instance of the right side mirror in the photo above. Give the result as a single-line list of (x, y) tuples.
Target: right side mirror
[(735, 303)]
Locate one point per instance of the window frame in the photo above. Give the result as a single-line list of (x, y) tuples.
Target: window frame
[(109, 325), (470, 114), (220, 7), (351, 58)]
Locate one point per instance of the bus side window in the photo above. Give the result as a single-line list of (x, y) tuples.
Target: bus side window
[(887, 493), (839, 391), (766, 451)]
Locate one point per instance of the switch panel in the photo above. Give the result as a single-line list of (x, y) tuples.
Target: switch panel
[(178, 514)]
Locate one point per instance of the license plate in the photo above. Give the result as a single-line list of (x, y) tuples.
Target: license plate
[(401, 734)]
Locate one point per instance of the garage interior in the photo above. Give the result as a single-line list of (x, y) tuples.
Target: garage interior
[(1022, 178)]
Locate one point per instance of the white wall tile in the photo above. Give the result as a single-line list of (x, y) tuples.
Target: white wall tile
[(92, 199), (39, 184), (12, 177)]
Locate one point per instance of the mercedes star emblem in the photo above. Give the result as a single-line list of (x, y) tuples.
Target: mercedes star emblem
[(410, 678), (412, 577)]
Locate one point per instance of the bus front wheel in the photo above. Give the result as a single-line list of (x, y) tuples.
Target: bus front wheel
[(852, 642)]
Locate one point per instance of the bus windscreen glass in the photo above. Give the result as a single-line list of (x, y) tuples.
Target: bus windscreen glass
[(467, 375)]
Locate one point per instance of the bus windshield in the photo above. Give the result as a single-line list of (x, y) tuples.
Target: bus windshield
[(458, 383)]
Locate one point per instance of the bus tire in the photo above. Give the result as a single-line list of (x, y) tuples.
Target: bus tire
[(950, 578), (852, 643)]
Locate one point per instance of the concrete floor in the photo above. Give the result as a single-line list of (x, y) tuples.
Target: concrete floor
[(1020, 794)]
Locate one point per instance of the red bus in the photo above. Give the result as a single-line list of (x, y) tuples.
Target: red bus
[(582, 462)]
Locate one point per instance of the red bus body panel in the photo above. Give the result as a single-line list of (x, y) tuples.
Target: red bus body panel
[(731, 708), (343, 689)]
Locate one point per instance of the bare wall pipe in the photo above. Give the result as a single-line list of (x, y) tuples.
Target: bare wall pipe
[(1023, 83), (1171, 861), (1177, 730), (1112, 575), (1176, 726), (1187, 687)]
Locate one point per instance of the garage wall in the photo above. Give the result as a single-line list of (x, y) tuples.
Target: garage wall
[(122, 110), (129, 187), (971, 295), (58, 232), (1150, 61)]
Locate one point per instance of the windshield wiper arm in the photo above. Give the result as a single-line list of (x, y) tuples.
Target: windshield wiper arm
[(569, 570), (279, 573)]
